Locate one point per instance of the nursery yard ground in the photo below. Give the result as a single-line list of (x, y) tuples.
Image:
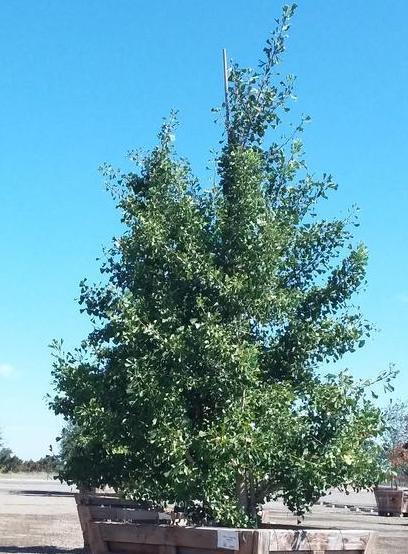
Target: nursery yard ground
[(38, 516)]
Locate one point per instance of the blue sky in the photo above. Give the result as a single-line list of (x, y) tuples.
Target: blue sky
[(83, 82)]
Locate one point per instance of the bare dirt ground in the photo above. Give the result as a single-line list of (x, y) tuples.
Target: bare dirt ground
[(38, 516)]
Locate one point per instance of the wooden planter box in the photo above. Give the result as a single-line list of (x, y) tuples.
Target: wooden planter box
[(107, 530), (102, 507), (391, 501)]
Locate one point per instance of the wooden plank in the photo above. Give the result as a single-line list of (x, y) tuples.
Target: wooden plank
[(355, 539), (85, 518), (107, 500), (97, 545), (165, 549), (247, 538), (287, 540), (262, 541), (129, 548), (116, 513), (199, 550), (204, 538), (160, 534), (310, 540)]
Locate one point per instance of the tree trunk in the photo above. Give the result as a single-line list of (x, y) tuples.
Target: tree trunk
[(241, 492)]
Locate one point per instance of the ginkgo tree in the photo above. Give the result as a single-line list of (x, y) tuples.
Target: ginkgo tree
[(201, 382)]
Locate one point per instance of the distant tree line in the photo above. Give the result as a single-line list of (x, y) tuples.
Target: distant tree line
[(10, 463)]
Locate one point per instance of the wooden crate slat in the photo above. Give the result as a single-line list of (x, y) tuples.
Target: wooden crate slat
[(310, 540), (324, 551), (199, 550), (261, 542), (128, 548), (355, 539), (97, 545), (307, 540), (160, 534), (186, 537), (116, 513), (106, 500), (85, 518)]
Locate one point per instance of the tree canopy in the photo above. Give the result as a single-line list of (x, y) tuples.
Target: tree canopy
[(201, 382)]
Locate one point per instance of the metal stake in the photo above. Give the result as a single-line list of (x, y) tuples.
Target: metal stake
[(226, 71)]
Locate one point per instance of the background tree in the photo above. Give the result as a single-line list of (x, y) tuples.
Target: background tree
[(9, 462), (201, 382), (396, 420), (395, 440)]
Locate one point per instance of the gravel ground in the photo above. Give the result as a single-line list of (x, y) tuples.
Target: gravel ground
[(38, 516)]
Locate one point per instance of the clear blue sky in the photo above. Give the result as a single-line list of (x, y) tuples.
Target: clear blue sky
[(83, 82)]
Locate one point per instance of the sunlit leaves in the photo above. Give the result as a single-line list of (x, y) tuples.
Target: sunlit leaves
[(200, 383)]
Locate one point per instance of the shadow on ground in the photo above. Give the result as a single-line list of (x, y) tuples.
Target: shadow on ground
[(42, 493), (40, 550)]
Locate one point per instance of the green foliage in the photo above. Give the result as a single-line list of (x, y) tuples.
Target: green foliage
[(8, 461), (201, 382)]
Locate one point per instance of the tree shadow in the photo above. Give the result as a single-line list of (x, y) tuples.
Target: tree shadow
[(291, 527), (42, 493), (40, 550)]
